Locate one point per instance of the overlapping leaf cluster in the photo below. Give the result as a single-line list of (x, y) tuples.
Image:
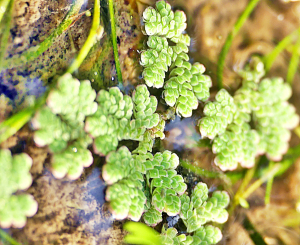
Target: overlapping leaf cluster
[(60, 124), (196, 211), (167, 51), (265, 103), (133, 177), (14, 176), (121, 117), (164, 187), (205, 235)]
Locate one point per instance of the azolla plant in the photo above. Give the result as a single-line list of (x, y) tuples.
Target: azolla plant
[(77, 123)]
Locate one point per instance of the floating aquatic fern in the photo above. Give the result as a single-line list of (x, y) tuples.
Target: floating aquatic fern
[(14, 176), (167, 52), (61, 123), (265, 103)]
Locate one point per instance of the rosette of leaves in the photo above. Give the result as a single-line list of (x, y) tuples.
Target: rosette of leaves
[(206, 235), (61, 123), (124, 176), (274, 117), (239, 144), (107, 126), (143, 113), (186, 86), (199, 209), (164, 185), (162, 21), (218, 115), (14, 176)]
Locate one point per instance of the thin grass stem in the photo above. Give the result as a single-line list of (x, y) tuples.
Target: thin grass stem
[(12, 125), (114, 41), (3, 7), (237, 26), (294, 62), (34, 52), (6, 237), (5, 24), (96, 32), (271, 57)]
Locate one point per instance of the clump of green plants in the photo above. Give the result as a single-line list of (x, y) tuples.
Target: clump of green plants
[(15, 176), (263, 102), (167, 52), (195, 211), (60, 125)]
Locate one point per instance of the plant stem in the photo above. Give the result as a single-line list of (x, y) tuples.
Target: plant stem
[(237, 26), (248, 177), (271, 57), (204, 173), (269, 186), (8, 238), (294, 61), (34, 52), (5, 24), (114, 40), (95, 33), (3, 7), (11, 125), (270, 174)]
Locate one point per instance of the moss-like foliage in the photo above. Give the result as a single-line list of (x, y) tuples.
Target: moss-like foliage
[(274, 117), (167, 52), (125, 193), (14, 176), (218, 115), (162, 21), (60, 124), (107, 126), (199, 209), (239, 144), (206, 235), (143, 113), (262, 102)]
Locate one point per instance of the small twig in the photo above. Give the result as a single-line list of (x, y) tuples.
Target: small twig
[(34, 52), (95, 32), (237, 26), (114, 41), (294, 62)]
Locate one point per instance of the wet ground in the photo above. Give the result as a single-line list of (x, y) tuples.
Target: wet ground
[(74, 212)]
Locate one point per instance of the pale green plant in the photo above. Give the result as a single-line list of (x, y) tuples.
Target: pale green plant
[(60, 125), (15, 176), (167, 52)]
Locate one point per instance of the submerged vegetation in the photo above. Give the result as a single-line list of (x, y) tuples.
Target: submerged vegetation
[(144, 181)]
